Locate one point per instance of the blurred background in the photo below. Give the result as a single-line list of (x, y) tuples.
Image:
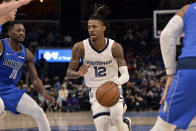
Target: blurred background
[(52, 28)]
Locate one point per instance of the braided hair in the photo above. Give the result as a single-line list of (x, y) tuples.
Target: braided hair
[(101, 11)]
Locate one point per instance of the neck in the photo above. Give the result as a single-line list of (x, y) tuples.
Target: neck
[(99, 44), (14, 45)]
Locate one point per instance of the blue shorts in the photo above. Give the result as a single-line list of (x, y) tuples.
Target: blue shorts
[(180, 105), (11, 99)]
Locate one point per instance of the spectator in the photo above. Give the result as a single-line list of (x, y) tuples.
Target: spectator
[(62, 96)]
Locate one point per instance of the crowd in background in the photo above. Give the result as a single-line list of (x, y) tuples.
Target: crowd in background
[(142, 54)]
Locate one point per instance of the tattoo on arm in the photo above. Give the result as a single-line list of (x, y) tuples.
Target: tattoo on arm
[(77, 53), (118, 53)]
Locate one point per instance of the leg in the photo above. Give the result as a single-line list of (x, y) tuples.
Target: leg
[(162, 125), (2, 106), (103, 123), (101, 116), (116, 113), (29, 107), (179, 107)]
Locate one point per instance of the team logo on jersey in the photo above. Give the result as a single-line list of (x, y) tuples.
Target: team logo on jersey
[(13, 64), (99, 62)]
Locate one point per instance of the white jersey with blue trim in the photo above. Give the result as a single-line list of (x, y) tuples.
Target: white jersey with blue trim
[(103, 67)]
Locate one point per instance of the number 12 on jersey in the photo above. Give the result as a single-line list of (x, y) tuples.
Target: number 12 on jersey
[(100, 71)]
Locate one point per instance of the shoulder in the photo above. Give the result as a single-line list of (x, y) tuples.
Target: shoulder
[(117, 49), (29, 56), (78, 45), (183, 10), (78, 48), (116, 46)]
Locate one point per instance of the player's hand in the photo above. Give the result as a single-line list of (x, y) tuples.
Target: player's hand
[(168, 84), (49, 98), (25, 2), (83, 69), (112, 82)]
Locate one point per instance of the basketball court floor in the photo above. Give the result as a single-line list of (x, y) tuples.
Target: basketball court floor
[(77, 121)]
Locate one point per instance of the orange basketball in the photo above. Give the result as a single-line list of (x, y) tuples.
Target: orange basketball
[(107, 94)]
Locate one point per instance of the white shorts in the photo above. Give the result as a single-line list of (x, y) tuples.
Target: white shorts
[(99, 110)]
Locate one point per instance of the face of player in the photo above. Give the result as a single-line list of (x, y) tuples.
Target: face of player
[(96, 29), (17, 33), (12, 14)]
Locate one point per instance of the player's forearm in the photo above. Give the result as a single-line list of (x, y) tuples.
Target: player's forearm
[(124, 75), (39, 86), (7, 7), (72, 74)]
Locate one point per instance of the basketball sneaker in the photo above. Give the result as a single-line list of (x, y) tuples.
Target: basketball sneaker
[(127, 120)]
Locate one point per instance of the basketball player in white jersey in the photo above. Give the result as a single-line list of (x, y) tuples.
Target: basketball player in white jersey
[(178, 102), (102, 58), (7, 13)]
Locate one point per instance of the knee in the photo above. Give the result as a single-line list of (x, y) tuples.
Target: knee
[(2, 106), (117, 120), (38, 113), (102, 123)]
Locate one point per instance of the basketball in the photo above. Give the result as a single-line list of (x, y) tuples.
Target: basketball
[(107, 94)]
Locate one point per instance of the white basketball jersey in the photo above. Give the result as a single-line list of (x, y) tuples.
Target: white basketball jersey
[(103, 65)]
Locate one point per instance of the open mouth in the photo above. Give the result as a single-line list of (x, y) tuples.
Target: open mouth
[(92, 35)]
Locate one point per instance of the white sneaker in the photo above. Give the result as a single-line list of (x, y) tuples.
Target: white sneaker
[(127, 120)]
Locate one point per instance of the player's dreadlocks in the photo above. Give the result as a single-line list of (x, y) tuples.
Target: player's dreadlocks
[(101, 11)]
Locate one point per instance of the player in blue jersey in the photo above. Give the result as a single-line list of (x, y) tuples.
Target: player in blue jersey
[(8, 10), (178, 101), (13, 57)]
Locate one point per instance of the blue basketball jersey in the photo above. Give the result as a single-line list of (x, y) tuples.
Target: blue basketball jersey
[(11, 64), (189, 49)]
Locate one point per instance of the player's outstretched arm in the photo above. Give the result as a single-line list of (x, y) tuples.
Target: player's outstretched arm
[(34, 77), (9, 6), (77, 54), (118, 53)]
